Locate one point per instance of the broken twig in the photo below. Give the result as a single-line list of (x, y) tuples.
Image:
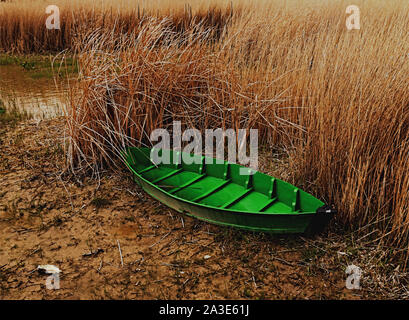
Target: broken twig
[(120, 253)]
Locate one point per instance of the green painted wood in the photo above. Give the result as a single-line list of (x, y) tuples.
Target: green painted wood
[(217, 193)]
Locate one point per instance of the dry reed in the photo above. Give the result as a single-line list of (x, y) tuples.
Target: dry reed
[(23, 23), (336, 100)]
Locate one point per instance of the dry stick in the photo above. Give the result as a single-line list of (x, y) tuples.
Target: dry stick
[(283, 261), (254, 280), (24, 230), (167, 245), (100, 266), (66, 190), (120, 253), (151, 246), (170, 265)]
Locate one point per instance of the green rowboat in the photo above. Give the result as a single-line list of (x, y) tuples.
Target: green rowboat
[(219, 193)]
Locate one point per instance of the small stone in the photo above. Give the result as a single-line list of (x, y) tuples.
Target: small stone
[(48, 268)]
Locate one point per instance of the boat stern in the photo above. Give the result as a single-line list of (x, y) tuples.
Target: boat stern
[(320, 220)]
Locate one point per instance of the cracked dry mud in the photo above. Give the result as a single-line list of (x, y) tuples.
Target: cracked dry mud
[(76, 223)]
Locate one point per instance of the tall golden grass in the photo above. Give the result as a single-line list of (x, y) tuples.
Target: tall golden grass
[(23, 22), (336, 100)]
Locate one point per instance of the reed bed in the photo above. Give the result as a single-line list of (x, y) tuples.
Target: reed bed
[(335, 100), (134, 84), (23, 22)]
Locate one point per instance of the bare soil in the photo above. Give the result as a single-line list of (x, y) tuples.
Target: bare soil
[(113, 241)]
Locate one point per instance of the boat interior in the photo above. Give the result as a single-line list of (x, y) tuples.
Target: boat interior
[(216, 183)]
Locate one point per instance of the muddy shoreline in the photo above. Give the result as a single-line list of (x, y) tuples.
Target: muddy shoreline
[(47, 217)]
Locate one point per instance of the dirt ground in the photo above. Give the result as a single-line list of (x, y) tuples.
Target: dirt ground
[(112, 241)]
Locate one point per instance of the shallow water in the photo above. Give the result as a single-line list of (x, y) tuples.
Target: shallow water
[(41, 98)]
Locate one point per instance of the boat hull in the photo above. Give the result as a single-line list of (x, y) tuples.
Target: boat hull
[(306, 223)]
